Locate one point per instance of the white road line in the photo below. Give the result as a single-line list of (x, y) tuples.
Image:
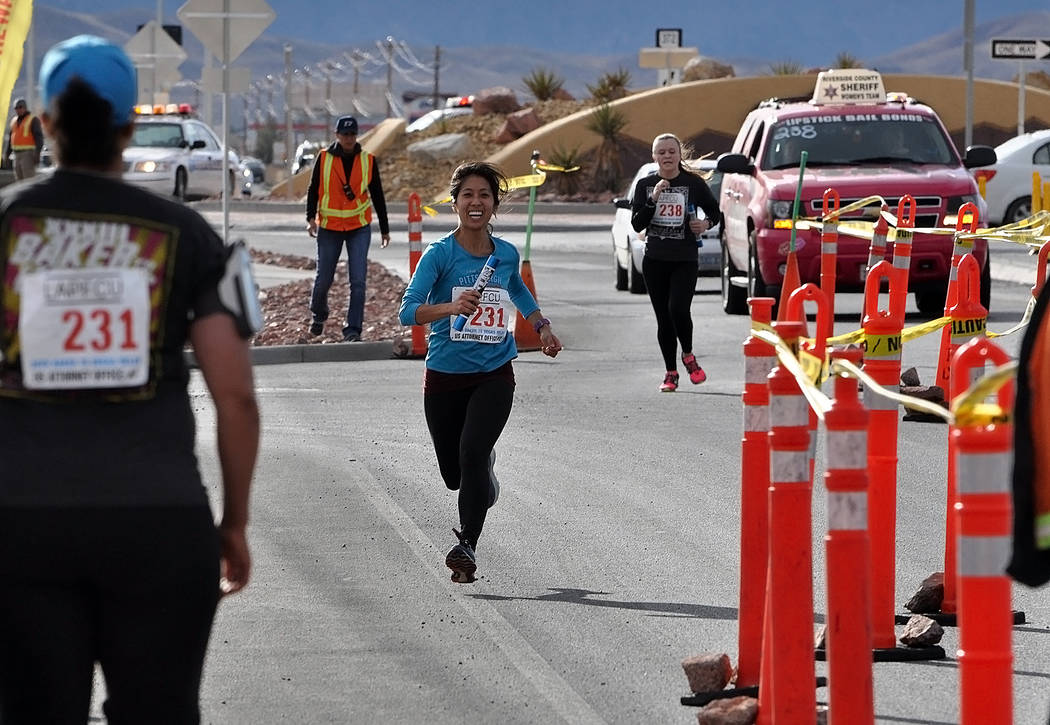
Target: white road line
[(562, 698)]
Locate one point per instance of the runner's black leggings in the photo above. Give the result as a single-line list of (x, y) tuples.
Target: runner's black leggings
[(671, 286), (464, 425), (134, 589)]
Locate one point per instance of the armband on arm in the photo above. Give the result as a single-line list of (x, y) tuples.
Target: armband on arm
[(238, 292)]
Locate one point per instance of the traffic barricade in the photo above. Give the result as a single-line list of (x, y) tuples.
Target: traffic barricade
[(786, 693), (829, 239), (882, 361), (967, 221), (902, 249), (968, 322), (415, 251), (847, 553), (759, 357), (877, 248), (811, 353), (984, 446)]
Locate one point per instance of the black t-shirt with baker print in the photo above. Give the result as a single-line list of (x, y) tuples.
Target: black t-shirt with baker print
[(99, 282), (665, 221)]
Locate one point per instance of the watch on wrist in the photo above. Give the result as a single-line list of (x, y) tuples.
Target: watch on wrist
[(540, 324)]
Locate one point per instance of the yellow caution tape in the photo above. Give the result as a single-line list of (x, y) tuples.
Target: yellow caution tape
[(819, 402), (923, 328), (1025, 319), (814, 367), (908, 401), (846, 338), (514, 182), (544, 166), (881, 346), (970, 408)]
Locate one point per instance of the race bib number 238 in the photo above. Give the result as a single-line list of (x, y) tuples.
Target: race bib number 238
[(84, 328)]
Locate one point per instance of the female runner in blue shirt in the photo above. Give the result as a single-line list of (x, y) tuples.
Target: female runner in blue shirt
[(468, 384)]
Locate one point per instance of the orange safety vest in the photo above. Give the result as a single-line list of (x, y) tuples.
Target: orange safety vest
[(22, 134), (334, 210)]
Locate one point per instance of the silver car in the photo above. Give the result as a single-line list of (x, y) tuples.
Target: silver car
[(628, 247)]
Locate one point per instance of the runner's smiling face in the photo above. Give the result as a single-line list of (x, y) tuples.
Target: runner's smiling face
[(475, 203), (667, 154)]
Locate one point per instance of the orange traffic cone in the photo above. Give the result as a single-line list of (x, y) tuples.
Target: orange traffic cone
[(525, 337), (792, 282)]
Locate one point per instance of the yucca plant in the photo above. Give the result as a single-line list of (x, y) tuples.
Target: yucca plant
[(786, 68), (610, 86), (566, 182), (543, 83), (607, 122)]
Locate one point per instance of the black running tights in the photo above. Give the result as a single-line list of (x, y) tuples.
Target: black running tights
[(464, 425), (671, 286)]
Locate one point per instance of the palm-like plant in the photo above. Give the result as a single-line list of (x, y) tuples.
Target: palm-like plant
[(543, 83), (610, 86), (566, 182), (786, 68), (607, 122), (847, 60)]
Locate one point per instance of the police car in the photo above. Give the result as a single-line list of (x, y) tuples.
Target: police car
[(861, 141), (173, 153)]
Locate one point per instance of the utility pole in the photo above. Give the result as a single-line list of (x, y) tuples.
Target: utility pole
[(968, 65), (289, 138), (389, 71), (437, 67)]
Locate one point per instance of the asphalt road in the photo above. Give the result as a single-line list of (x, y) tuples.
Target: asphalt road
[(611, 555)]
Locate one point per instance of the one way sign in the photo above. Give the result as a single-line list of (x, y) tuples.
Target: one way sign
[(1020, 49)]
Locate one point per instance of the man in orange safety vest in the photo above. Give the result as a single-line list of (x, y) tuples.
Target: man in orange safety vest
[(344, 188), (23, 141)]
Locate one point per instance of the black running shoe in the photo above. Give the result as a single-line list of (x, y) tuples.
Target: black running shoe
[(461, 561), (316, 328)]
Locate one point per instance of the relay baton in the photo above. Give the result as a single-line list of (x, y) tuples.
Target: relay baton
[(482, 281)]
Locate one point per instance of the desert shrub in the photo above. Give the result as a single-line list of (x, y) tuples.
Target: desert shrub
[(565, 182), (786, 68), (847, 60), (610, 86), (543, 83), (607, 122)]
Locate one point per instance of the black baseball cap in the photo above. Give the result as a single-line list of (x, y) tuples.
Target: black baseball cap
[(346, 124)]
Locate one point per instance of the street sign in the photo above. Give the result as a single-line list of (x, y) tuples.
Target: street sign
[(152, 44), (239, 80), (1020, 49), (668, 37), (207, 19)]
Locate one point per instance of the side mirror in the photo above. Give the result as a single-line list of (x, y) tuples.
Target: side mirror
[(621, 203), (198, 144), (735, 164), (979, 156)]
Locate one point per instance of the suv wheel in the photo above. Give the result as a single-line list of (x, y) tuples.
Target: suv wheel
[(756, 286), (636, 283), (180, 184), (930, 300), (734, 297), (986, 284)]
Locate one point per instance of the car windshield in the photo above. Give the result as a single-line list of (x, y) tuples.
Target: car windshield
[(846, 139), (159, 135)]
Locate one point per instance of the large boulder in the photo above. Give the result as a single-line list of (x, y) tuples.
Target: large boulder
[(495, 100), (517, 125), (439, 148)]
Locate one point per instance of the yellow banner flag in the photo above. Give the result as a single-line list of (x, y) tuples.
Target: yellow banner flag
[(15, 16)]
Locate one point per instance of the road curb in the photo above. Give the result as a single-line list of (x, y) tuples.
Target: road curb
[(322, 352)]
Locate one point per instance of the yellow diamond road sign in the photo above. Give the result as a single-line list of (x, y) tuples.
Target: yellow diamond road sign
[(213, 21)]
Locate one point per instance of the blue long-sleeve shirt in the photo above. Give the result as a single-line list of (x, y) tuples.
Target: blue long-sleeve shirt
[(445, 265)]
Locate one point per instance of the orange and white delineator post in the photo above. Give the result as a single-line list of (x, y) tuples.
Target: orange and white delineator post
[(985, 523), (847, 553), (415, 251), (811, 355), (969, 321), (877, 248), (787, 695), (902, 249), (829, 245), (759, 358), (1040, 270), (882, 361), (966, 222)]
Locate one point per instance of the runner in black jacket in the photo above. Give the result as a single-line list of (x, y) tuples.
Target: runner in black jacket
[(674, 206)]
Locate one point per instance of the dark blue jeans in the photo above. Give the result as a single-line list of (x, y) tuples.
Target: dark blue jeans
[(329, 247)]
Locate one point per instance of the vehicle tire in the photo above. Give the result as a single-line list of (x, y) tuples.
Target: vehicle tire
[(986, 284), (756, 286), (180, 184), (232, 186), (621, 274), (1019, 209), (636, 283), (930, 300), (734, 297)]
